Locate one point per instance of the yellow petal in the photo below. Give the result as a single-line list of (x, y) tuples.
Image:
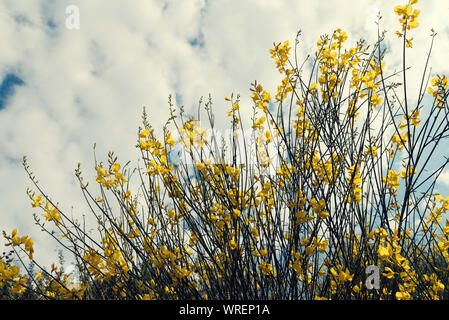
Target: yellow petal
[(144, 134), (408, 9), (398, 10)]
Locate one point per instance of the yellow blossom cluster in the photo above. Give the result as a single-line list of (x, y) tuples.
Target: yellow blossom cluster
[(51, 213), (15, 241), (301, 123), (326, 171), (9, 275), (439, 90), (192, 135), (111, 178), (391, 181), (339, 277), (260, 97), (396, 265), (408, 16), (280, 53), (355, 181)]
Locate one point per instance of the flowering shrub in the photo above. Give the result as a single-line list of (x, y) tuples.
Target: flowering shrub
[(348, 186)]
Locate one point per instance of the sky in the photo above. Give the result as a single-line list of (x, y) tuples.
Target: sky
[(63, 89)]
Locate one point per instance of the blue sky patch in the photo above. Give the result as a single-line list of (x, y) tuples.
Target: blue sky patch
[(48, 17), (7, 88), (197, 41), (178, 99)]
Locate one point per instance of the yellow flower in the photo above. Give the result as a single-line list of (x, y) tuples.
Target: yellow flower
[(389, 273), (407, 9), (334, 272), (408, 172), (372, 151), (399, 10), (400, 140), (15, 241), (116, 167), (309, 250), (200, 166), (232, 244), (144, 133), (169, 139), (313, 86), (345, 276), (323, 214), (304, 241), (38, 201), (403, 296), (376, 100), (384, 252), (322, 80), (266, 268), (413, 24), (258, 123), (29, 244)]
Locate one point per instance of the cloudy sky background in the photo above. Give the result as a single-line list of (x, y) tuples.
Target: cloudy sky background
[(63, 90)]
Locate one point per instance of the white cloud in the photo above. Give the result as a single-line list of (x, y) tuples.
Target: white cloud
[(89, 85)]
